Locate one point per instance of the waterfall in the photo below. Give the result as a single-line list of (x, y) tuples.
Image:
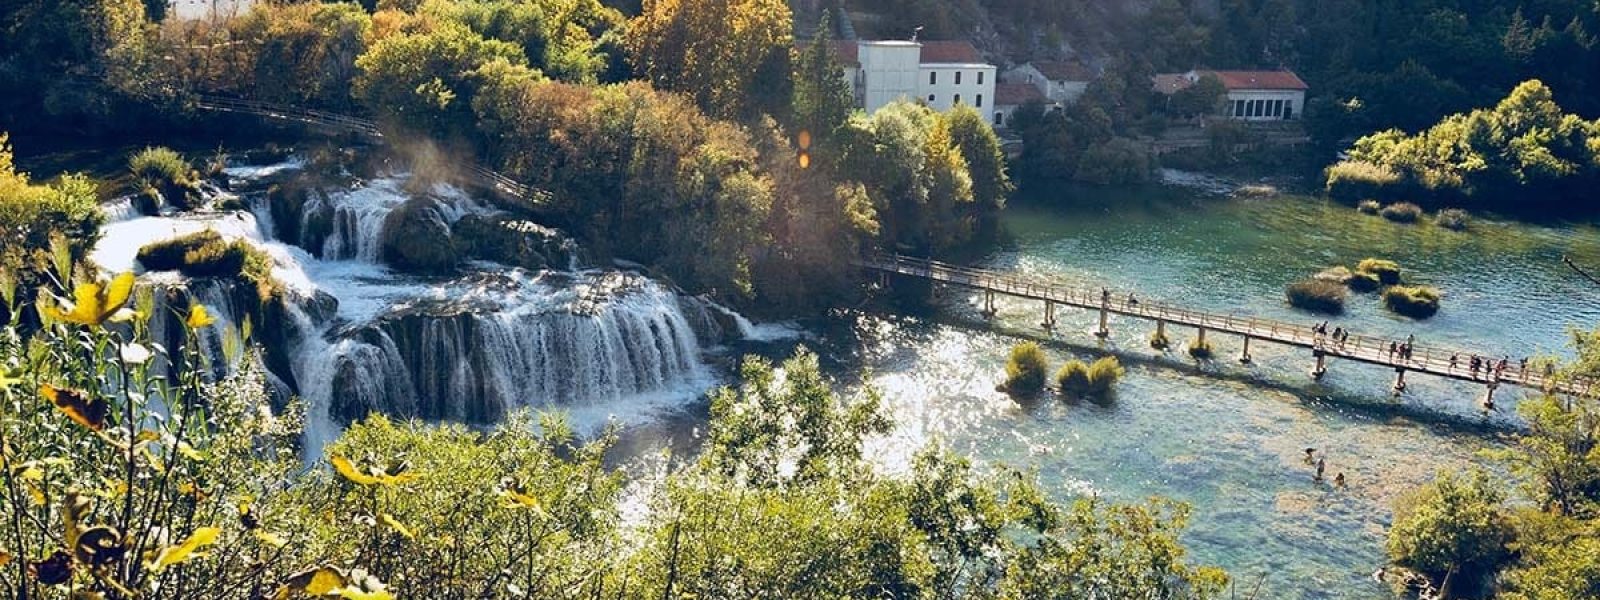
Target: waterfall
[(353, 336)]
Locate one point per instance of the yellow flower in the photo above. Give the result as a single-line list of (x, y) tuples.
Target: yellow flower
[(370, 476), (93, 304), (198, 317)]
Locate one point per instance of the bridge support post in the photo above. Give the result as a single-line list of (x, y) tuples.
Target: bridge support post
[(1399, 380), (1049, 315), (1244, 357), (1105, 313), (1322, 365), (988, 303), (1159, 341), (1488, 398)]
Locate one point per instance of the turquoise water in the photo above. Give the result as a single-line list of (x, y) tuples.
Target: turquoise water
[(1227, 438)]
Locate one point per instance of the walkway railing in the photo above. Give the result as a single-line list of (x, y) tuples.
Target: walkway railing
[(509, 190), (1443, 362)]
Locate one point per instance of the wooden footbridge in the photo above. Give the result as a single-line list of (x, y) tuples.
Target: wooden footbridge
[(504, 188), (1441, 362)]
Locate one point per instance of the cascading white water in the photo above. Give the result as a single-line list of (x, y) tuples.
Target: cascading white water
[(467, 348)]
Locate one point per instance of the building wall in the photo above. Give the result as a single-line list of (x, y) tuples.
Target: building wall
[(889, 72), (1059, 92), (942, 86), (1265, 105)]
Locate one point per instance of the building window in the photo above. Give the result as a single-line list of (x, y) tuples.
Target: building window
[(933, 78), (958, 77), (1277, 109), (1288, 110), (979, 103), (930, 98), (1238, 108), (958, 99), (980, 77), (999, 119)]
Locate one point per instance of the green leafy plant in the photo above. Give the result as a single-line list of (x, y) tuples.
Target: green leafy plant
[(1025, 369)]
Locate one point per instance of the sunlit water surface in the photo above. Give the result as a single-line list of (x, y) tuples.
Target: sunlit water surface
[(1227, 438)]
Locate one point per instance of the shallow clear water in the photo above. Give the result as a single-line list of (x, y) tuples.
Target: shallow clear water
[(1227, 438)]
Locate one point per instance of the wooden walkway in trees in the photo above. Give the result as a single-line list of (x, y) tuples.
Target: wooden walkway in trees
[(1441, 362), (506, 189)]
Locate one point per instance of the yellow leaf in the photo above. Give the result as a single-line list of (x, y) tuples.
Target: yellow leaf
[(190, 453), (349, 471), (31, 473), (271, 539), (199, 317), (343, 466), (355, 594), (172, 555), (325, 580), (396, 525), (10, 378), (5, 558), (117, 295), (78, 406)]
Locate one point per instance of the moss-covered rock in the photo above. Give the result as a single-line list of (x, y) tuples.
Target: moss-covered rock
[(510, 241), (1387, 271), (300, 214), (416, 238), (1417, 302)]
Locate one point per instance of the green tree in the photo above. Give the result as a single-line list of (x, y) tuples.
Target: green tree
[(560, 38), (426, 82), (986, 162), (1454, 527), (1203, 98), (822, 99), (731, 56)]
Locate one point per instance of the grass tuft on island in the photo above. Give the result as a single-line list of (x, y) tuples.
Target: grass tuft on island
[(1402, 212), (1387, 271), (1453, 219), (1317, 296), (164, 177), (1369, 207), (208, 254), (1025, 369), (1094, 380), (1417, 302)]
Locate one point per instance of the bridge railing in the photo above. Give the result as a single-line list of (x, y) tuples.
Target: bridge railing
[(1426, 358)]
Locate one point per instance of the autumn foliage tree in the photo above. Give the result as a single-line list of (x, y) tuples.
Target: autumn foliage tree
[(731, 56)]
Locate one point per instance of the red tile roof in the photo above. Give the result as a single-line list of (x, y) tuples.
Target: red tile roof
[(1064, 71), (1017, 94), (950, 52), (1259, 80)]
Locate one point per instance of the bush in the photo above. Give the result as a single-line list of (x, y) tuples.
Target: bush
[(1452, 218), (1368, 207), (1402, 212), (1353, 179), (1316, 296), (1201, 349), (1089, 379), (164, 175), (168, 255), (1362, 281), (1417, 302), (1457, 523), (1073, 377), (1026, 369), (1387, 271)]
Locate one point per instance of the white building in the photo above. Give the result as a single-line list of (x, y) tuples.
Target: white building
[(1008, 97), (1252, 95), (207, 9), (1062, 82), (939, 74)]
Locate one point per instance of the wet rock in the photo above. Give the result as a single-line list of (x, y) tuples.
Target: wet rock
[(505, 240), (416, 238)]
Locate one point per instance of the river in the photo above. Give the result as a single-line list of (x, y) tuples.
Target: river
[(1226, 438)]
